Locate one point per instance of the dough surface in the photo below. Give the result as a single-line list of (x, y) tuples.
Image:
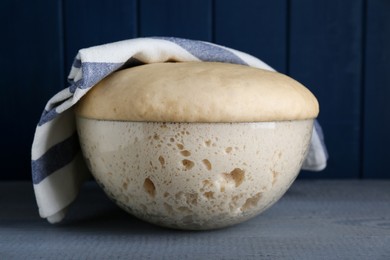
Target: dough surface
[(198, 92)]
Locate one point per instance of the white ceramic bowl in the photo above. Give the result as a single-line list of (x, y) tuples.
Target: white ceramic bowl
[(194, 175)]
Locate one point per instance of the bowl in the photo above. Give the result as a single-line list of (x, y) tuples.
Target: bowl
[(195, 145), (194, 175)]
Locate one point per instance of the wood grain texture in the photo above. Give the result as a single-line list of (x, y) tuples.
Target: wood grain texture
[(31, 66), (314, 220), (189, 19), (376, 147), (256, 27), (326, 56)]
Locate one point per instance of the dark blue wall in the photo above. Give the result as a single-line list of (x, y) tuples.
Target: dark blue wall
[(339, 49)]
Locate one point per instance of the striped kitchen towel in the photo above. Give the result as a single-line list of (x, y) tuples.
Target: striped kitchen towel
[(58, 169)]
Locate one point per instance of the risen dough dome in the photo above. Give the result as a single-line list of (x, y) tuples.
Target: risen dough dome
[(198, 92)]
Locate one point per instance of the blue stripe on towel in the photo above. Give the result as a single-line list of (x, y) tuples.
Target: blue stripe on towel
[(55, 158), (72, 88), (318, 129), (93, 72), (76, 63), (206, 51), (48, 116)]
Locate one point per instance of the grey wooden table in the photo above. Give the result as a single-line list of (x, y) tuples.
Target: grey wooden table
[(314, 220)]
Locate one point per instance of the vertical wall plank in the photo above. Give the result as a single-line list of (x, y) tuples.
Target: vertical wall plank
[(255, 27), (186, 19), (326, 48), (89, 23), (31, 71), (377, 90)]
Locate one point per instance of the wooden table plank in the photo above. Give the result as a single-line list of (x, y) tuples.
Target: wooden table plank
[(314, 220)]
